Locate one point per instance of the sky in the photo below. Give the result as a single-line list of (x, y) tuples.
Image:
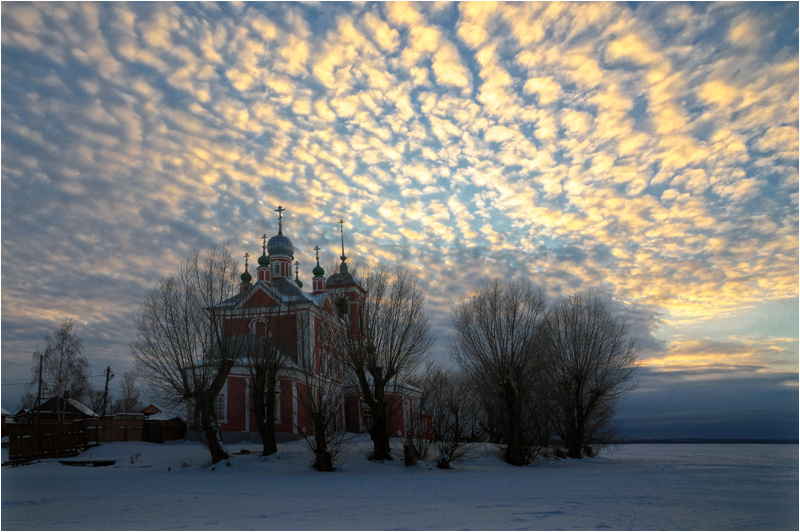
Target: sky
[(645, 151)]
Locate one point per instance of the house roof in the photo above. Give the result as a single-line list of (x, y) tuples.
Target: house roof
[(70, 406), (165, 416)]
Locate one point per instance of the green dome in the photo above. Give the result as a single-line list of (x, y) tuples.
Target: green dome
[(299, 282), (263, 260), (318, 270), (246, 277)]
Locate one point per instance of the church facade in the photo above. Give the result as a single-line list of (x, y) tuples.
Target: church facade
[(273, 304)]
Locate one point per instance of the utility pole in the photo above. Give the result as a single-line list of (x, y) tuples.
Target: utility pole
[(39, 393), (109, 376)]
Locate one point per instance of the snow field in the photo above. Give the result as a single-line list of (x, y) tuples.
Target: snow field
[(643, 487)]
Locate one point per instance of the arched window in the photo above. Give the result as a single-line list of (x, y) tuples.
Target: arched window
[(219, 407)]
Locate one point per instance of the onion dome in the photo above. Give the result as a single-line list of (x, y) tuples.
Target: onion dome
[(280, 245), (246, 277), (263, 260), (318, 270)]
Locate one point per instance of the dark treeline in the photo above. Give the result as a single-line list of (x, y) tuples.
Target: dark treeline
[(531, 369)]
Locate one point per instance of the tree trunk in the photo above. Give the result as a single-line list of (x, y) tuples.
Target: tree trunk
[(575, 449), (264, 404), (575, 442), (374, 398), (323, 461), (410, 453), (211, 428), (576, 431), (515, 452), (380, 432)]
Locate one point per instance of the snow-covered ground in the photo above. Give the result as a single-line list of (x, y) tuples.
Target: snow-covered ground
[(640, 487)]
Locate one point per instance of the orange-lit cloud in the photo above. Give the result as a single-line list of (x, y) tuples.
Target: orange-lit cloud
[(649, 152)]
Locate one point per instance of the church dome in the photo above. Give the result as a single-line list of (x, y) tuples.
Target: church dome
[(263, 260), (318, 270), (280, 245), (246, 277)]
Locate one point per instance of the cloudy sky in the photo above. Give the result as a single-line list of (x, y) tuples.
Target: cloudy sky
[(648, 151)]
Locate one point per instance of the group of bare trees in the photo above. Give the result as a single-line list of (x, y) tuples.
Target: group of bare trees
[(60, 372), (529, 368), (540, 369), (456, 415)]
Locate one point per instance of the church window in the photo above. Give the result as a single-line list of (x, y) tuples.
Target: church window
[(219, 407), (366, 416)]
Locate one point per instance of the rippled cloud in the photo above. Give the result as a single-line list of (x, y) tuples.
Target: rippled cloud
[(649, 152)]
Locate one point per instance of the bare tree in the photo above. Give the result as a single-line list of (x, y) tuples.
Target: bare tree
[(455, 414), (320, 396), (384, 342), (130, 395), (591, 359), (61, 370), (419, 438), (496, 343), (265, 357), (184, 345)]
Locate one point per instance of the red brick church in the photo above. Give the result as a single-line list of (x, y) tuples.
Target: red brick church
[(303, 317)]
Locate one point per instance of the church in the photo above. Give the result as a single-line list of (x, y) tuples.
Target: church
[(303, 319)]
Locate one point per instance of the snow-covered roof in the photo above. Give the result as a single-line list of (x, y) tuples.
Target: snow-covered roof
[(165, 416), (82, 408), (286, 290), (5, 412), (71, 404)]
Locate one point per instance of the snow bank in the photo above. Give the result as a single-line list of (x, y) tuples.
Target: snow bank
[(644, 487)]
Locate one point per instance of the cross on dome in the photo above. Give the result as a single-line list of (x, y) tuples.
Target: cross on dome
[(245, 277), (280, 210)]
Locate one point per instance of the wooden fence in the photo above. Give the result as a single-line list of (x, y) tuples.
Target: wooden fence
[(33, 442)]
